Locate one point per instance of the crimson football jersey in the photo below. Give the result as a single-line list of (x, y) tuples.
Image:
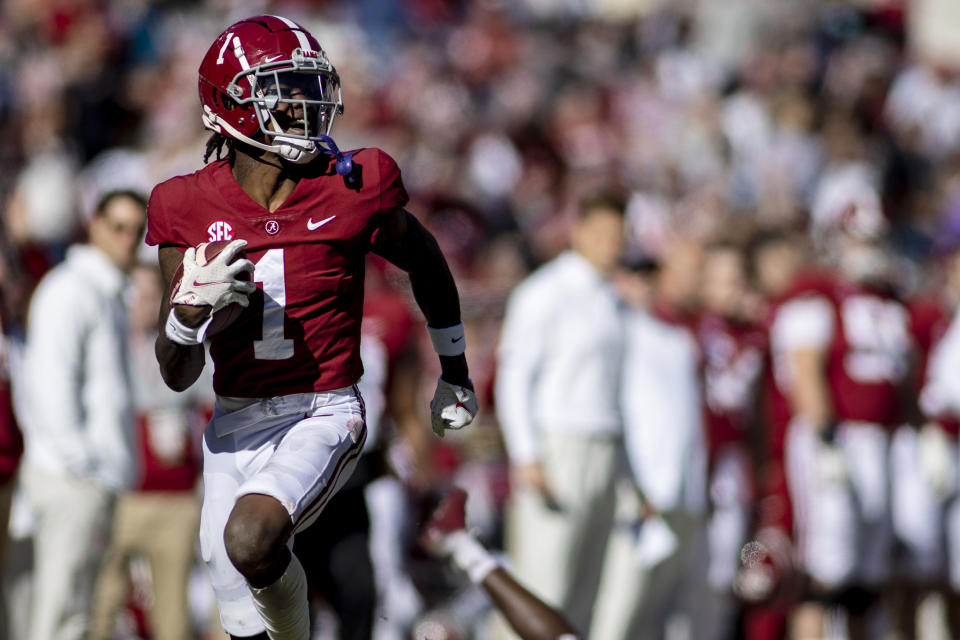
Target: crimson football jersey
[(301, 331), (929, 320), (868, 357), (777, 403), (733, 358)]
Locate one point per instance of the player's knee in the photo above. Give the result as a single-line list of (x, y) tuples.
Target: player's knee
[(255, 539)]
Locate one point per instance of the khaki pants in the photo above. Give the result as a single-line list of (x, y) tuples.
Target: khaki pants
[(162, 527), (558, 550), (636, 602), (70, 537)]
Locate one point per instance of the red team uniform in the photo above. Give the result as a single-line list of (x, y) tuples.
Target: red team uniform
[(299, 335), (733, 355), (301, 331), (924, 462), (289, 421), (841, 511)]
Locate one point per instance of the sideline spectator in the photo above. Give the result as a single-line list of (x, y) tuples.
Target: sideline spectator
[(160, 519), (78, 421), (656, 561), (557, 401)]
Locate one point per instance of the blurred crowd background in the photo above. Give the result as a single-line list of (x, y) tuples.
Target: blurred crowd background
[(719, 120)]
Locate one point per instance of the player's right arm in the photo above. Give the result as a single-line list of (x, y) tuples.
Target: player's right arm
[(180, 365), (804, 329), (194, 298)]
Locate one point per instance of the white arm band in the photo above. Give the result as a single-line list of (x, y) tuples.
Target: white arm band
[(471, 557), (182, 334), (449, 341)]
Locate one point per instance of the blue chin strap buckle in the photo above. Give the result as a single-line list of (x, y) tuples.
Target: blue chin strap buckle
[(344, 163)]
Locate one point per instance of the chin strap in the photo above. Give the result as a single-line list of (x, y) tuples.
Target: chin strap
[(293, 150), (344, 160)]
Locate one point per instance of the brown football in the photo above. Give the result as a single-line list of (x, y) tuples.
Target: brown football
[(229, 314)]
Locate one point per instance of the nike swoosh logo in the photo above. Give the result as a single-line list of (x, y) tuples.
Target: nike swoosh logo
[(197, 283), (456, 339), (271, 58), (313, 226)]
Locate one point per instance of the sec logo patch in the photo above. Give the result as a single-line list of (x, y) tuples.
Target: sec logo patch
[(219, 230)]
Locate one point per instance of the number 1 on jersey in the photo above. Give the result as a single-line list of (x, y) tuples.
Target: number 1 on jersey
[(269, 271)]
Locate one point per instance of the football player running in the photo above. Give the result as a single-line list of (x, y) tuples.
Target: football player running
[(300, 215)]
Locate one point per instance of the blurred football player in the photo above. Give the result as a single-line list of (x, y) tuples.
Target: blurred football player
[(924, 462), (446, 536), (733, 351), (841, 348), (766, 571), (289, 422)]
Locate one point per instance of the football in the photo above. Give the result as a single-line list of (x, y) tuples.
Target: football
[(229, 314)]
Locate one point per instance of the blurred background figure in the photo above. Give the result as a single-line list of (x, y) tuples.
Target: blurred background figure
[(734, 352), (841, 348), (446, 536), (656, 562), (11, 450), (557, 400), (925, 462), (155, 525), (78, 425)]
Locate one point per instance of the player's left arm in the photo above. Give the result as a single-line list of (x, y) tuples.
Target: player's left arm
[(403, 241)]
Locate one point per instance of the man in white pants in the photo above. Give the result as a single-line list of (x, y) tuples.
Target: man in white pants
[(558, 406), (77, 414), (656, 563)]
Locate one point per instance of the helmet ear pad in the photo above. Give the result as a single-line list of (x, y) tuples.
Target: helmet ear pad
[(243, 118)]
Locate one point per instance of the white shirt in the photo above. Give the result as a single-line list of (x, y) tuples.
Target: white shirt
[(559, 357), (663, 413), (78, 417)]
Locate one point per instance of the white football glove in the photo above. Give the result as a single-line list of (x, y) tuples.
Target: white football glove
[(452, 407), (830, 463), (215, 284), (937, 458)]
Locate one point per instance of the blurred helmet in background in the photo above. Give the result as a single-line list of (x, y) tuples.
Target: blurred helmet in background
[(847, 223)]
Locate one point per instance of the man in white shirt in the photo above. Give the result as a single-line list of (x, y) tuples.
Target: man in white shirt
[(78, 420), (558, 404), (656, 563)]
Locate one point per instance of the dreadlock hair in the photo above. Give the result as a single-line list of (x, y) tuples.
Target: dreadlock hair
[(215, 144)]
